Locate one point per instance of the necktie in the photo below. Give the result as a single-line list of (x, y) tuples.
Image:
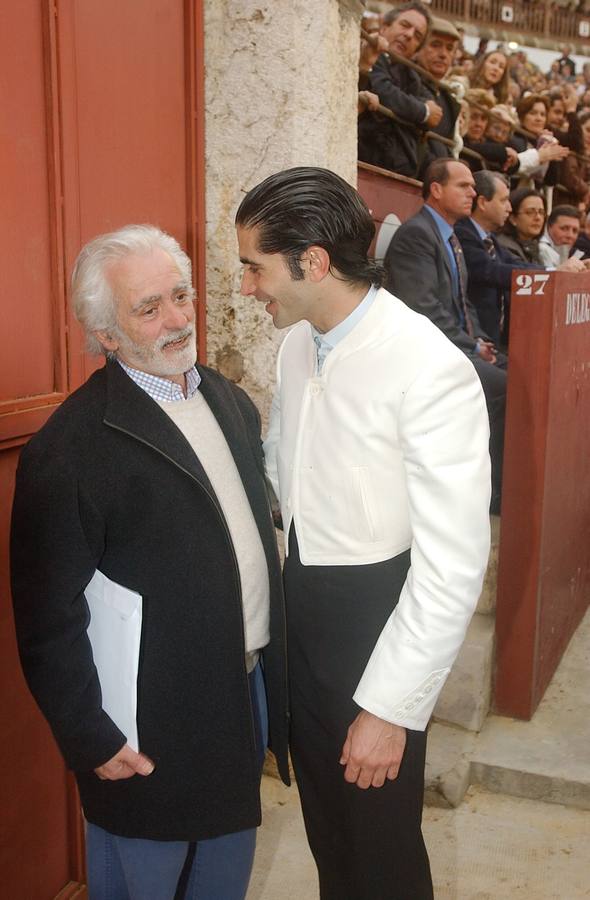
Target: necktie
[(458, 254), (489, 245), (322, 350), (491, 251)]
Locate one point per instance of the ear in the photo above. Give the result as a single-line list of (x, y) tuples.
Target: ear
[(318, 263), (106, 339), (436, 190), (480, 202)]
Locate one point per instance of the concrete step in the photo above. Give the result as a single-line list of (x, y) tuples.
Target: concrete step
[(465, 698), (545, 759)]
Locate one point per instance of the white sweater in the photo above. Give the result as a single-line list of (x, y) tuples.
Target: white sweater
[(199, 426)]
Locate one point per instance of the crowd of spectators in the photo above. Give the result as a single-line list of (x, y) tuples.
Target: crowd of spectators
[(423, 96), (503, 151)]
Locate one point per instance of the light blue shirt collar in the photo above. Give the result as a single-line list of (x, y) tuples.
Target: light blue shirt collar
[(162, 390), (483, 234), (327, 341), (443, 226)]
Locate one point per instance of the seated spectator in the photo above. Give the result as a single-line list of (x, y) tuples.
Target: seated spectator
[(556, 119), (537, 148), (583, 240), (480, 103), (372, 46), (383, 142), (498, 134), (562, 117), (524, 225), (573, 188), (561, 233), (491, 73), (425, 268), (489, 265), (435, 56), (492, 145)]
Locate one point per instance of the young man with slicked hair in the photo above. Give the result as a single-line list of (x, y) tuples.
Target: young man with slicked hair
[(377, 449)]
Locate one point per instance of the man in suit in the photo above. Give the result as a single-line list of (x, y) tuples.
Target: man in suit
[(425, 268), (383, 142), (489, 265), (147, 590), (373, 409)]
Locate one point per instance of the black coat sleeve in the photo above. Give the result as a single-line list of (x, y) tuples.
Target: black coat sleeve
[(393, 89), (56, 537)]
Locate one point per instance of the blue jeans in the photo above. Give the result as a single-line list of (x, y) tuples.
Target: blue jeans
[(135, 869)]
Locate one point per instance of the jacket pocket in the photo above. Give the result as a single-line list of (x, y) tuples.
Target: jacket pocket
[(365, 514)]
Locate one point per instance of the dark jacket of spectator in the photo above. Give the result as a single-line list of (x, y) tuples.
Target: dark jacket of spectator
[(383, 142), (527, 251), (493, 153), (582, 243), (489, 279), (446, 127), (419, 273), (573, 186)]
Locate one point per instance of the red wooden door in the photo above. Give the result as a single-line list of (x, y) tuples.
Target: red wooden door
[(101, 124)]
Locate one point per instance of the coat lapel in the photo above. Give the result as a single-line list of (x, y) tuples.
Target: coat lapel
[(130, 410), (445, 258), (247, 456)]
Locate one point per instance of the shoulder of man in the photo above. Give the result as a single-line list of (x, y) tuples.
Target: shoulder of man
[(246, 405), (82, 407), (419, 222)]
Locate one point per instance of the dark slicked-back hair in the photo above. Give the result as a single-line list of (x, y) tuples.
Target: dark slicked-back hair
[(298, 208)]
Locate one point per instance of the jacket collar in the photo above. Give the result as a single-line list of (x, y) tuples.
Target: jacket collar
[(130, 410)]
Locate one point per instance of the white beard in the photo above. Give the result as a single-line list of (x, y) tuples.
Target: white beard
[(152, 358)]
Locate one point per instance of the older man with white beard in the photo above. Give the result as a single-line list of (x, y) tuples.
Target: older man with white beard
[(147, 590)]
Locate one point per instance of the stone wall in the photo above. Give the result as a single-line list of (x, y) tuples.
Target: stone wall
[(281, 84)]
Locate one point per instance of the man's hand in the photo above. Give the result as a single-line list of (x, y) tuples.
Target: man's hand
[(511, 158), (367, 100), (572, 265), (124, 764), (487, 351), (549, 152), (372, 751), (435, 114)]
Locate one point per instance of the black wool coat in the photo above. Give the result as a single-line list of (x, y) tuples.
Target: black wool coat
[(111, 483)]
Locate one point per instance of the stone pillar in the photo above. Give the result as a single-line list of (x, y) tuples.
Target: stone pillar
[(281, 85)]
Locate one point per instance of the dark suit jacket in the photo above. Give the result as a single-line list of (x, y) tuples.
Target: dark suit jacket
[(111, 483), (419, 273), (489, 279)]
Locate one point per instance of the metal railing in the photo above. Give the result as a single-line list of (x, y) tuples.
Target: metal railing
[(533, 17)]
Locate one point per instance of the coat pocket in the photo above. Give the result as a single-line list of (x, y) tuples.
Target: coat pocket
[(365, 515)]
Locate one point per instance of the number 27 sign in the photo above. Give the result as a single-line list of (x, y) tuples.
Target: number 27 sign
[(532, 284)]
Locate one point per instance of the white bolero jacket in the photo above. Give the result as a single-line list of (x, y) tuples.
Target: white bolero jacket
[(385, 450)]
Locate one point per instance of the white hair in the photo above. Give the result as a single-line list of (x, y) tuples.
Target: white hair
[(93, 299)]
